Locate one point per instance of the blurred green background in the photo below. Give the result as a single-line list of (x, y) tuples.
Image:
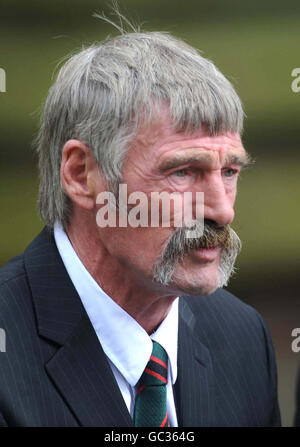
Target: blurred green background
[(256, 45)]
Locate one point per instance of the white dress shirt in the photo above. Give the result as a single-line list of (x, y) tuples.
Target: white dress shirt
[(126, 344)]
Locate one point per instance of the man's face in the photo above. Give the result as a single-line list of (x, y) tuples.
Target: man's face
[(162, 160)]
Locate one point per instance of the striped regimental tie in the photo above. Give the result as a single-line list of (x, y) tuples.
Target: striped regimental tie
[(151, 399)]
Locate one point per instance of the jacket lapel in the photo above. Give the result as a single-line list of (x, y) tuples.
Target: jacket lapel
[(84, 377), (79, 367), (194, 388)]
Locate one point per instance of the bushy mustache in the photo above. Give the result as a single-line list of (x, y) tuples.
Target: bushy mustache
[(180, 244)]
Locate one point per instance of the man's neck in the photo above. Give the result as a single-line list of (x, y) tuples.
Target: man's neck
[(147, 305)]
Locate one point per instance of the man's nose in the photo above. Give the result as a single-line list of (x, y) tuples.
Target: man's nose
[(218, 204)]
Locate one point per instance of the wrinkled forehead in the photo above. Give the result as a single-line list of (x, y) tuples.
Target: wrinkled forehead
[(161, 141)]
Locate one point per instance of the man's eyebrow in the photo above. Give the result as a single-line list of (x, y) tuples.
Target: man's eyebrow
[(241, 160), (179, 160)]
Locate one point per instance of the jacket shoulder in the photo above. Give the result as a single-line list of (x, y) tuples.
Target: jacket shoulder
[(14, 275), (14, 290), (220, 302), (12, 270), (224, 316)]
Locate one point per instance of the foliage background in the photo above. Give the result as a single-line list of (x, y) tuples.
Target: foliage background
[(256, 45)]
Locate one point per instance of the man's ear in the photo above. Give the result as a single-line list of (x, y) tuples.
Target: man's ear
[(79, 174)]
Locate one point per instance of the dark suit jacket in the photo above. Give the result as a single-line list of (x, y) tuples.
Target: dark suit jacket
[(55, 373)]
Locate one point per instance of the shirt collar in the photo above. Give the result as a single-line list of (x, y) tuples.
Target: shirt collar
[(123, 340)]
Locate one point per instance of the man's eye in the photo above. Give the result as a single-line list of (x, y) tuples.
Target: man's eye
[(229, 172), (180, 173)]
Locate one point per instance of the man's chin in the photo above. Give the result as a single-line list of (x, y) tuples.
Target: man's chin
[(199, 291), (190, 278), (195, 286)]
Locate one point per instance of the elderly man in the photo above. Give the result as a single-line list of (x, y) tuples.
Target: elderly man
[(110, 323)]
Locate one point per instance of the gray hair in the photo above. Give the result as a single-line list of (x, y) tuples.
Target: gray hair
[(106, 91)]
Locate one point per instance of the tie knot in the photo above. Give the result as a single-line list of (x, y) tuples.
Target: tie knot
[(156, 371)]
